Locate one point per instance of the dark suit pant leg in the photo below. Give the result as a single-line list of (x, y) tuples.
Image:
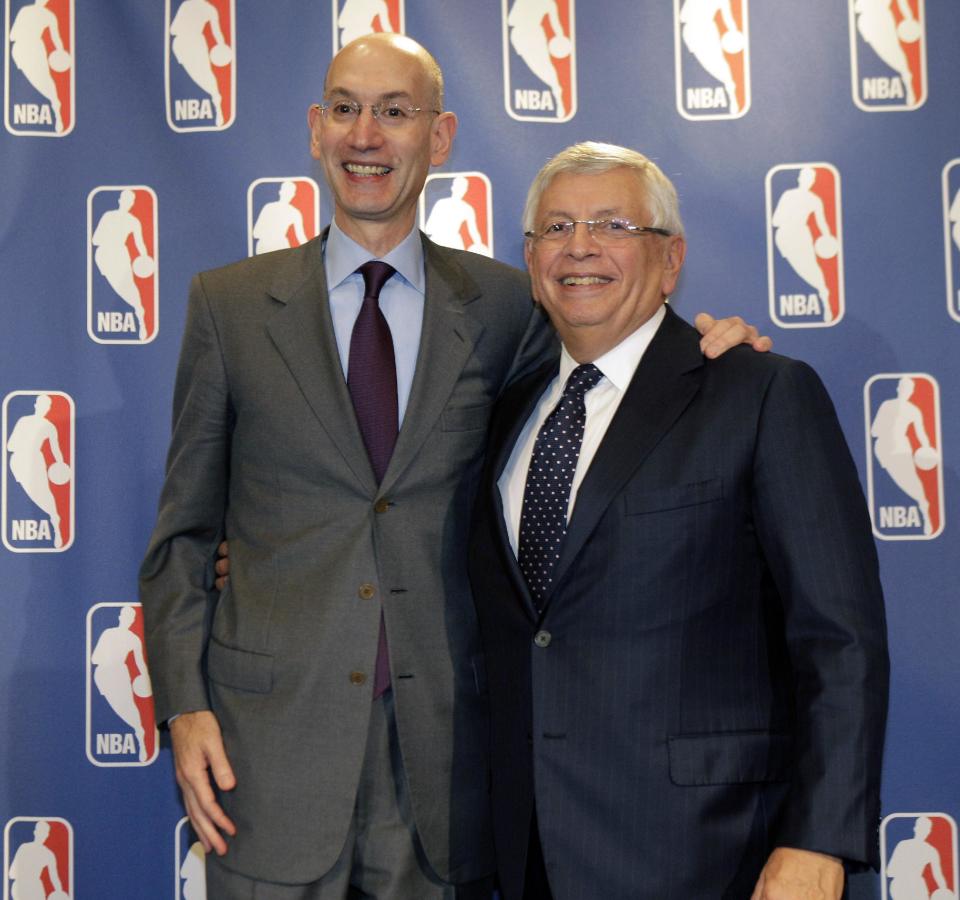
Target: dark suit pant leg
[(382, 858), (535, 883)]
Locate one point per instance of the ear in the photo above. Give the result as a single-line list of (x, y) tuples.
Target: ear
[(314, 119), (673, 255), (530, 261), (443, 129)]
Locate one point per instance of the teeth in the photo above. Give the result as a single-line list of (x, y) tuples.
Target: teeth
[(355, 169), (584, 279)]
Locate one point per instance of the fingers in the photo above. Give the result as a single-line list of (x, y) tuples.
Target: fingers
[(719, 335), (198, 751), (222, 566)]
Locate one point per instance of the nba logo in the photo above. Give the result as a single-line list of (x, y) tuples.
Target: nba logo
[(918, 854), (39, 86), (38, 470), (951, 234), (355, 18), (712, 50), (190, 864), (904, 456), (121, 727), (456, 210), (122, 277), (200, 64), (38, 858), (539, 60), (804, 245), (281, 213), (888, 54)]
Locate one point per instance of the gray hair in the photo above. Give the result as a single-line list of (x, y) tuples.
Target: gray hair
[(593, 158)]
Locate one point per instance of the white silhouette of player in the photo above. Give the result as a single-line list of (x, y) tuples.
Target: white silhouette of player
[(879, 29), (893, 449), (193, 873), (450, 214), (529, 40), (29, 466), (113, 258), (794, 239), (29, 52), (112, 677), (357, 16), (908, 861), (190, 47), (29, 863), (703, 40), (276, 219)]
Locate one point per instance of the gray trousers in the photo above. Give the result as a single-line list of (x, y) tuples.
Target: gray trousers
[(382, 858)]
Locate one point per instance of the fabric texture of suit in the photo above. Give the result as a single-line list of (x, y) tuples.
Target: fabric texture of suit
[(266, 450), (708, 679)]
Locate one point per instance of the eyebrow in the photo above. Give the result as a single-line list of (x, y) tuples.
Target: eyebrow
[(596, 216), (388, 95)]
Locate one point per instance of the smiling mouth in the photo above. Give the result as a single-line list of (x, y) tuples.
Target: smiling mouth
[(578, 280), (366, 170)]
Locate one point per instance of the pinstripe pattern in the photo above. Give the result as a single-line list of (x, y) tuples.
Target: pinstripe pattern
[(714, 683)]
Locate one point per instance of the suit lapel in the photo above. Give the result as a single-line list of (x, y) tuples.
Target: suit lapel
[(665, 382), (513, 410), (302, 331), (446, 343)]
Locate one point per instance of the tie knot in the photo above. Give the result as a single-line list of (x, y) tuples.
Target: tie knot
[(581, 379), (375, 274)]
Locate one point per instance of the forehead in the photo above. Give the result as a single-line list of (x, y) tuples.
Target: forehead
[(617, 190), (377, 71)]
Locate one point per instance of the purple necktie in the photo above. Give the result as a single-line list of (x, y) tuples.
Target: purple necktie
[(372, 381)]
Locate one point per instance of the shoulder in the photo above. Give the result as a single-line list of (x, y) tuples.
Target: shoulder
[(473, 269), (260, 274)]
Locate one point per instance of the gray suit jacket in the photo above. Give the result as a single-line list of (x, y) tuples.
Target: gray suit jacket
[(266, 450)]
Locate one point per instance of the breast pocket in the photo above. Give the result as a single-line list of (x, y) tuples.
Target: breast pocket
[(639, 501), (465, 418)]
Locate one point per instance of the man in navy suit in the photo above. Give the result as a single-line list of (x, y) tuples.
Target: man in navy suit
[(677, 586)]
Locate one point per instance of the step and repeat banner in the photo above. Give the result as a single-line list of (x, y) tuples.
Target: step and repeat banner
[(816, 150)]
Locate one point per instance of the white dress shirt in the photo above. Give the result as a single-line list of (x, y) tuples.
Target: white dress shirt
[(618, 367)]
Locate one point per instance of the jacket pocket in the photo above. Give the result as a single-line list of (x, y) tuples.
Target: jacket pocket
[(638, 502), (736, 757), (242, 670), (465, 418)]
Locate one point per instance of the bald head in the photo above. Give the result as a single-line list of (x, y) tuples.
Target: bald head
[(377, 46)]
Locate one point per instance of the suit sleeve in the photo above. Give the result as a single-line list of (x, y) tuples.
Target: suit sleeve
[(813, 525), (176, 589)]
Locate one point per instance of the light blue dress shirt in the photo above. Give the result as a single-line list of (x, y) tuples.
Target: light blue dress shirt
[(401, 300)]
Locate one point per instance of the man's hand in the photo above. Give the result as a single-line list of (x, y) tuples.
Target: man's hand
[(799, 875), (719, 335), (197, 747), (222, 566)]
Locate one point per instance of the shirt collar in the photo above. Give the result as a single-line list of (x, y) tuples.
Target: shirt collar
[(619, 364), (343, 256)]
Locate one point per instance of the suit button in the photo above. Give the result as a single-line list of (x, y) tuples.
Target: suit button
[(367, 592), (542, 638), (357, 678), (381, 506)]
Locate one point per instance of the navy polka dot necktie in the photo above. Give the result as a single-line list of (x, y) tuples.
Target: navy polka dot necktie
[(543, 517)]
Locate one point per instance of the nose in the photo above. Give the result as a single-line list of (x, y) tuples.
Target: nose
[(365, 131), (582, 242)]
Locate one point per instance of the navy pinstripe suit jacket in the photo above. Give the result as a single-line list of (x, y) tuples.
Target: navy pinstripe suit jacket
[(710, 676)]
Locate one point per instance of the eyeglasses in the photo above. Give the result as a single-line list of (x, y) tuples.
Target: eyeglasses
[(607, 231), (388, 113)]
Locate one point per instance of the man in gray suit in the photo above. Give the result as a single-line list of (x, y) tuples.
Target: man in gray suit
[(328, 785)]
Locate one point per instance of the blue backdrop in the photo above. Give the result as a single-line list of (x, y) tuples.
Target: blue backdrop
[(816, 150)]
